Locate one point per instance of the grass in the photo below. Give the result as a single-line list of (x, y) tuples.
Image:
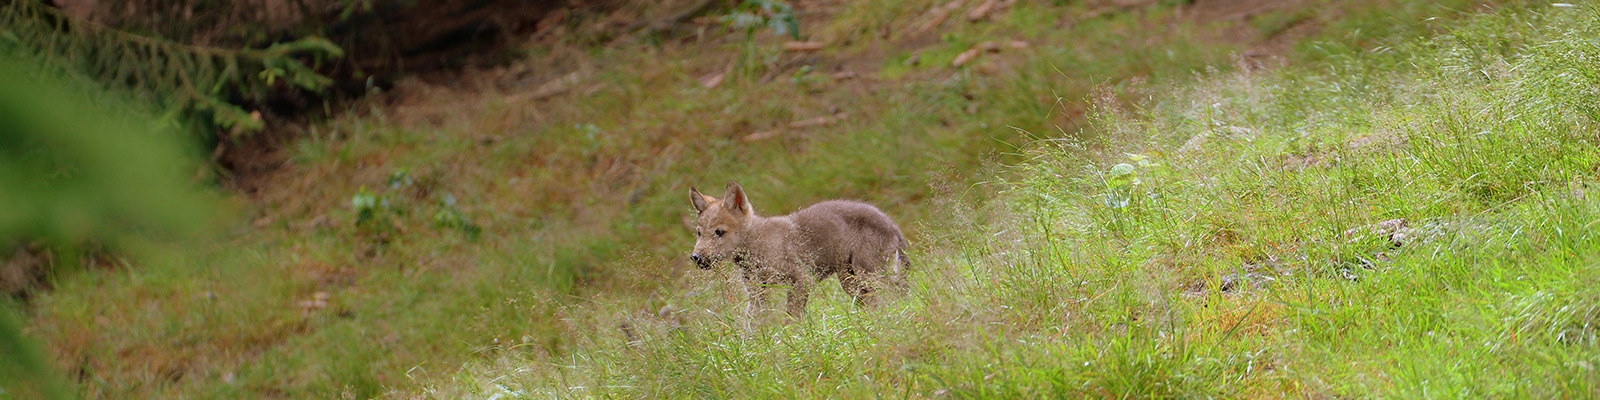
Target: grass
[(1247, 264), (1223, 272)]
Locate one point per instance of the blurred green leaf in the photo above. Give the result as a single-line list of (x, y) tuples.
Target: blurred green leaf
[(78, 164)]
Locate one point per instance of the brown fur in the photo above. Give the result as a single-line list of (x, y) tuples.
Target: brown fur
[(850, 239)]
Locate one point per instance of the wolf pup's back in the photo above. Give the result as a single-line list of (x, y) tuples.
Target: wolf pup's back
[(852, 237)]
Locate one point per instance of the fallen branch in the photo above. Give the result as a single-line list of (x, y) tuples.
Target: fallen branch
[(937, 16), (982, 10), (802, 46), (796, 125)]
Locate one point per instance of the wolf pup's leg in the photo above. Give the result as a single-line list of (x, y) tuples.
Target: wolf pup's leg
[(799, 293), (853, 284), (757, 289)]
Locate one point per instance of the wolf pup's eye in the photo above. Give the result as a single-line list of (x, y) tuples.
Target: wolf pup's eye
[(719, 232)]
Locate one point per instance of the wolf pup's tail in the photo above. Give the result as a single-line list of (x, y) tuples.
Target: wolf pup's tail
[(902, 266)]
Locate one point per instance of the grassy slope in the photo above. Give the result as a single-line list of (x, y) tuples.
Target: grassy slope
[(1249, 263), (579, 201), (578, 197), (1253, 262)]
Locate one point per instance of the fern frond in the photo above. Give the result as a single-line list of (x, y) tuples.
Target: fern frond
[(176, 75)]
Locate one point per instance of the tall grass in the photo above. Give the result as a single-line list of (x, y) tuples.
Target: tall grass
[(1411, 223)]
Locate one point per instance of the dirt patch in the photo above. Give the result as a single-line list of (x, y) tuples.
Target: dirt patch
[(244, 162), (26, 268), (435, 35), (22, 269), (435, 40), (1269, 28)]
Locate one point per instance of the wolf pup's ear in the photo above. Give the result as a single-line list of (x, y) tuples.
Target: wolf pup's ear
[(736, 200), (699, 201)]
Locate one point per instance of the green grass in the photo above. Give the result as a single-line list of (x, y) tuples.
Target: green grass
[(1026, 284), (1245, 265)]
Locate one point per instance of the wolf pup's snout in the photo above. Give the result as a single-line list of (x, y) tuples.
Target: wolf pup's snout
[(702, 262)]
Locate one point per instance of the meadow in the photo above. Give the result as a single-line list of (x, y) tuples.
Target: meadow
[(1300, 199)]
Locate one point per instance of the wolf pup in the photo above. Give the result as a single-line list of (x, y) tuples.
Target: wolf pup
[(846, 238)]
